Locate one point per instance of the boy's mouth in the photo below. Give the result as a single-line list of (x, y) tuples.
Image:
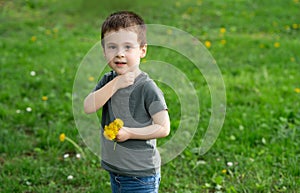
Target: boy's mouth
[(120, 63)]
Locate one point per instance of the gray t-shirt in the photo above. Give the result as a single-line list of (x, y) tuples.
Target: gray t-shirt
[(134, 105)]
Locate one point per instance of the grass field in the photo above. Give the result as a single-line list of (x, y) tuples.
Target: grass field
[(255, 44)]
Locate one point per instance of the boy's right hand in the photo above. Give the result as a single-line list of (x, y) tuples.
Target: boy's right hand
[(124, 80)]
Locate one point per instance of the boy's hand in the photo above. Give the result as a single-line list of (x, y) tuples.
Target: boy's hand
[(125, 80), (123, 135)]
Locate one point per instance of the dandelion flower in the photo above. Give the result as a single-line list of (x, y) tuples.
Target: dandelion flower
[(44, 98), (62, 137), (111, 131), (207, 44), (292, 59), (48, 32), (78, 156), (33, 38), (28, 109), (297, 90), (295, 26), (222, 30), (55, 30), (119, 123), (91, 78), (223, 42), (169, 32), (276, 44), (109, 134), (224, 171)]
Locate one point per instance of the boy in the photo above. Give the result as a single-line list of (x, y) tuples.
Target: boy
[(129, 94)]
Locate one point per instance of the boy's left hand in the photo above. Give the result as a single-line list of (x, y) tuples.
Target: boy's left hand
[(123, 135)]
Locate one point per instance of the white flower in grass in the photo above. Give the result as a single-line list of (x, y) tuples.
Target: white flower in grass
[(32, 73), (78, 156), (28, 109), (66, 155), (229, 164), (70, 177), (18, 111)]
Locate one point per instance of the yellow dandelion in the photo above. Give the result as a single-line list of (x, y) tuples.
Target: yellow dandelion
[(33, 38), (222, 30), (169, 32), (296, 1), (119, 123), (109, 134), (62, 137), (48, 32), (55, 30), (293, 59), (295, 26), (224, 171), (207, 44), (297, 90), (91, 78), (223, 42), (276, 44), (44, 98)]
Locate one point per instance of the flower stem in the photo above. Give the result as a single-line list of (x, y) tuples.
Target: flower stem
[(115, 145), (76, 146)]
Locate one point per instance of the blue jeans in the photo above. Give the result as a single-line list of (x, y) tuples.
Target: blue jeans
[(134, 184)]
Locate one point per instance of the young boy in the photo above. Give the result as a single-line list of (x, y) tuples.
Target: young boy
[(129, 94)]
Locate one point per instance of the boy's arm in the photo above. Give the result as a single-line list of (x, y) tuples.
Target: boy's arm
[(97, 99), (160, 128)]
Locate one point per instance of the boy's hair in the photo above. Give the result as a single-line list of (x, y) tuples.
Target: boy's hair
[(122, 20)]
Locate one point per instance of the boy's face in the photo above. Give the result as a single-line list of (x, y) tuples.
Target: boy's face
[(122, 51)]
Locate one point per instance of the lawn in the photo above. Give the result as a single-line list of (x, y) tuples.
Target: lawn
[(255, 45)]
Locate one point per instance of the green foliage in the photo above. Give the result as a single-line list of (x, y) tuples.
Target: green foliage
[(43, 42)]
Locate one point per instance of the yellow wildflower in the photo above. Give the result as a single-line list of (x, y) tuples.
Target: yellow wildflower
[(33, 38), (207, 44), (292, 59), (109, 134), (111, 131), (48, 32), (297, 90), (91, 78), (119, 123), (295, 26), (222, 30), (224, 171), (44, 98), (55, 30), (223, 42), (276, 44), (62, 137)]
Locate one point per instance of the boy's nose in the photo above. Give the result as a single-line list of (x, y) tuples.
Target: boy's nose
[(121, 53)]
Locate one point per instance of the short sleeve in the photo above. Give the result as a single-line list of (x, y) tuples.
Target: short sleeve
[(154, 98)]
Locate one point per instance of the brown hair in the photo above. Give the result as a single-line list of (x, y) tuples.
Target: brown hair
[(122, 20)]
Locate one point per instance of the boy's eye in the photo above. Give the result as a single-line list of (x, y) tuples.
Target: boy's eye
[(111, 47), (128, 47)]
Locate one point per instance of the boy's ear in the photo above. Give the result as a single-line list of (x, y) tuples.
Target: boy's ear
[(143, 51)]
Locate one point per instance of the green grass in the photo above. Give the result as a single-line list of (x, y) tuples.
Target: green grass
[(261, 133)]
